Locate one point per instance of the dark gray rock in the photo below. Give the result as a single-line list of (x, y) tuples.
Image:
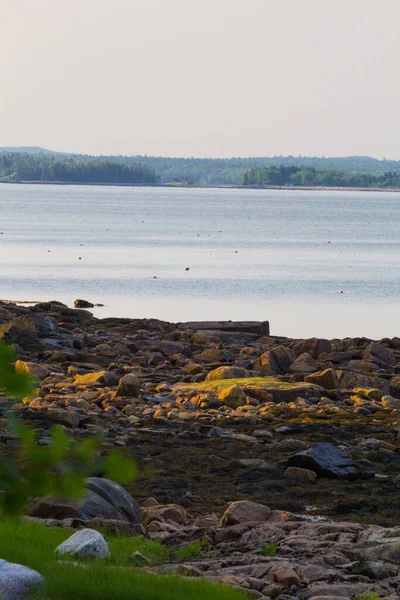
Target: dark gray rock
[(327, 461), (83, 304), (381, 356), (104, 499)]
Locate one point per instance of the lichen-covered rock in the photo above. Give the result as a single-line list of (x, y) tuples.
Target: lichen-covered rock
[(232, 396), (227, 373), (326, 379), (103, 377)]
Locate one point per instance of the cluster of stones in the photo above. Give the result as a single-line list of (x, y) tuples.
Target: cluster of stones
[(241, 395)]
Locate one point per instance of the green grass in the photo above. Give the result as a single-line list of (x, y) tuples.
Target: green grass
[(368, 596), (193, 550), (33, 545), (269, 550)]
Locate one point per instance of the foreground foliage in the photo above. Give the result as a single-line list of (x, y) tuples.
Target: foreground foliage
[(33, 545)]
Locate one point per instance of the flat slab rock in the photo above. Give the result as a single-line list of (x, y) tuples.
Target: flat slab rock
[(258, 327), (328, 461)]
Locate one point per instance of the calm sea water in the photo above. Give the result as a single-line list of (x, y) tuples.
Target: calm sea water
[(282, 256)]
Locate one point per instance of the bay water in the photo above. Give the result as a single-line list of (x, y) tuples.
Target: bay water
[(314, 263)]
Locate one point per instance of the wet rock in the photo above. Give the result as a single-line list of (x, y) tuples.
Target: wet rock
[(244, 511), (327, 461), (85, 543), (83, 304)]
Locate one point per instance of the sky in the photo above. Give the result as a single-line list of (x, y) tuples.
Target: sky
[(215, 78)]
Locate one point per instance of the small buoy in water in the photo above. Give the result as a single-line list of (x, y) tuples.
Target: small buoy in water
[(154, 277), (48, 250), (79, 257), (81, 244), (1, 233), (187, 269), (341, 292), (106, 229), (236, 251), (198, 235)]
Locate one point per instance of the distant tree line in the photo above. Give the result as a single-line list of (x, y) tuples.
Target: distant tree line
[(309, 176), (39, 167), (38, 164)]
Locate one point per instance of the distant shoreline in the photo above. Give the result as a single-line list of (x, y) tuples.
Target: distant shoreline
[(212, 186)]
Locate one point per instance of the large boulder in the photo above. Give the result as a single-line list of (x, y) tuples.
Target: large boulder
[(313, 346), (83, 304), (227, 373), (16, 581), (381, 356), (327, 461), (85, 543), (24, 337), (103, 498), (128, 386), (352, 379), (326, 379), (244, 511), (232, 396), (280, 359)]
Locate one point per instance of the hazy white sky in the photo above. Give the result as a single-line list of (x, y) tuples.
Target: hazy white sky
[(201, 77)]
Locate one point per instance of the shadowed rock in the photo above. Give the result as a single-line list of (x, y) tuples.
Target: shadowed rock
[(327, 461)]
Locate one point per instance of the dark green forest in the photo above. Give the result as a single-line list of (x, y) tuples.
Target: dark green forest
[(309, 176), (38, 167), (38, 164)]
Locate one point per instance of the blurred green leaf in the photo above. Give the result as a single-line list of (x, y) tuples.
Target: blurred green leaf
[(15, 384), (119, 468)]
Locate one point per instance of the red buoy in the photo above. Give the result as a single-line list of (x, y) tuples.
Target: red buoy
[(341, 291), (48, 250), (187, 269), (79, 257), (154, 277)]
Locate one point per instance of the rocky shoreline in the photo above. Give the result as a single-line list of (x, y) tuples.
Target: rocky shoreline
[(241, 439)]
